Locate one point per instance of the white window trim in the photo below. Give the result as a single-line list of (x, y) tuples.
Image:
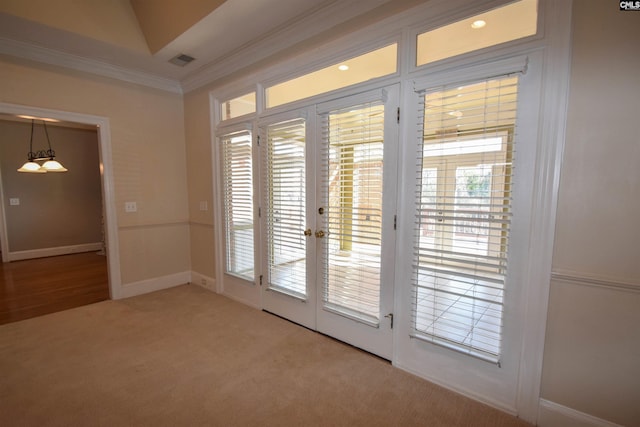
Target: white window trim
[(228, 95), (442, 17), (552, 124), (239, 289)]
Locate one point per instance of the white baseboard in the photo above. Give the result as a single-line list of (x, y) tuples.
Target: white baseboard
[(59, 250), (551, 414), (203, 281), (479, 397), (156, 284), (241, 300)]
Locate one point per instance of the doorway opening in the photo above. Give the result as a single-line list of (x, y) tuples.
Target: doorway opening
[(106, 213)]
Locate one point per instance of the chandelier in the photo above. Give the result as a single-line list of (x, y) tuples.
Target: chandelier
[(48, 157)]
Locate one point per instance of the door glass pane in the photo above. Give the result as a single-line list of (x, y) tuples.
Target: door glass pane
[(352, 198), (238, 204), (286, 178)]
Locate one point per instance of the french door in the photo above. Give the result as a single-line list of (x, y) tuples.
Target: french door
[(327, 181), (288, 203)]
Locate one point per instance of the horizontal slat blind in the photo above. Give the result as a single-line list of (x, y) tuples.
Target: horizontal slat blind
[(463, 216), (238, 204), (285, 201), (352, 147)]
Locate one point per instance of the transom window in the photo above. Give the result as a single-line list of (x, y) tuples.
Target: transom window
[(239, 106), (380, 62), (514, 21)]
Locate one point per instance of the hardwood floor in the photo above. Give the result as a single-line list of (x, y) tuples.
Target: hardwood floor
[(35, 287)]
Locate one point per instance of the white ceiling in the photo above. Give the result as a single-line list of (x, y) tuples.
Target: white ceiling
[(233, 36)]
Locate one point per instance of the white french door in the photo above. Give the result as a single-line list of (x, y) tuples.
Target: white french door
[(357, 167), (328, 218), (288, 203)]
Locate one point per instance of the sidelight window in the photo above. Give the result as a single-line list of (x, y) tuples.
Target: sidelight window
[(463, 215), (237, 177)]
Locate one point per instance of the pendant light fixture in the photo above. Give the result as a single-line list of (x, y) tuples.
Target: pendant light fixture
[(49, 156)]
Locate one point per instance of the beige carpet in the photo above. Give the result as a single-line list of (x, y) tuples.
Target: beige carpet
[(188, 357)]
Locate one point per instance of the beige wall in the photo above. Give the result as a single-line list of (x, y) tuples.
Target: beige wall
[(56, 209), (148, 152), (199, 156), (592, 351)]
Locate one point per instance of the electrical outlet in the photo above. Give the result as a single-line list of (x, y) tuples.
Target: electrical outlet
[(204, 206), (130, 207), (203, 282)]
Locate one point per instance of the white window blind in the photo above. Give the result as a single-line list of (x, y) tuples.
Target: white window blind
[(463, 215), (284, 166), (238, 204), (352, 149)]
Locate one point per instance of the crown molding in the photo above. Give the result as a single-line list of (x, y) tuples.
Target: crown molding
[(381, 18), (281, 38), (40, 54)]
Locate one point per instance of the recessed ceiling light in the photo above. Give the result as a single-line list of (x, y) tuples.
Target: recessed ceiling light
[(343, 67), (478, 24)]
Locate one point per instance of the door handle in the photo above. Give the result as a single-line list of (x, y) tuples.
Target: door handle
[(390, 317), (319, 234), (308, 232)]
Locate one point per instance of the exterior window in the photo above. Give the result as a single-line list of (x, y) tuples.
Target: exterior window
[(237, 174), (365, 67), (463, 215), (240, 106), (514, 21)]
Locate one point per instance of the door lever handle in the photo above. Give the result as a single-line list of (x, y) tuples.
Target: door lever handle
[(308, 232), (319, 234), (390, 317)]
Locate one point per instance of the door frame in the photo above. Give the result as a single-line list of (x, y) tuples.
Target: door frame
[(107, 184)]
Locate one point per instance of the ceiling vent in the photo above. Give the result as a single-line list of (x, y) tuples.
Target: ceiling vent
[(181, 60)]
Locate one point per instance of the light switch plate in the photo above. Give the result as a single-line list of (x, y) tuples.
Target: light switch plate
[(14, 201)]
